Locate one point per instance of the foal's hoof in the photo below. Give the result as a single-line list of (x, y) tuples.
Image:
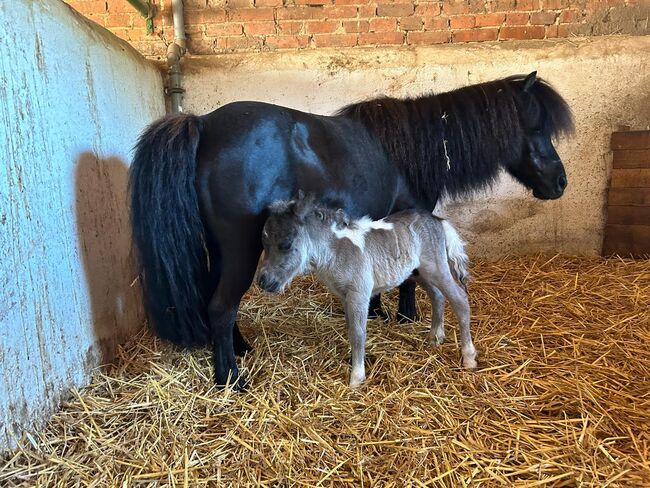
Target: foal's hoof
[(240, 384), (241, 347), (437, 340)]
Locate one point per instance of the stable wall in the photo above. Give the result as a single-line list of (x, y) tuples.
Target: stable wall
[(74, 99), (605, 80)]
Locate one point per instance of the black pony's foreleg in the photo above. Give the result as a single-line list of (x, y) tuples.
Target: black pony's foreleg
[(375, 310), (407, 311), (239, 344)]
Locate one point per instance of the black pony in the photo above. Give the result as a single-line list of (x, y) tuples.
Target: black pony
[(200, 186)]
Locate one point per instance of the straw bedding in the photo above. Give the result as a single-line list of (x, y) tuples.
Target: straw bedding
[(562, 397)]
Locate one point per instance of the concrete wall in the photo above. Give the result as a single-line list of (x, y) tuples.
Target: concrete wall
[(74, 99), (606, 82)]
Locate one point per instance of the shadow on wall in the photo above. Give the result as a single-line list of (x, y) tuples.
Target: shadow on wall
[(105, 242)]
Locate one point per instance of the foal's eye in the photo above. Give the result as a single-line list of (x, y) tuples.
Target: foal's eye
[(284, 246)]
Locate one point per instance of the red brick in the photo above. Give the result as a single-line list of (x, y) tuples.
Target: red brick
[(451, 7), (259, 28), (543, 18), (268, 3), (321, 27), (356, 25), (502, 5), (224, 30), (250, 14), (312, 2), (194, 4), (462, 22), (395, 10), (118, 20), (207, 16), (527, 5), (410, 23), (300, 13), (241, 42), (522, 32), (517, 19), (485, 20), (436, 23), (473, 35), (93, 7), (431, 37), (347, 2), (367, 11), (235, 4), (377, 38), (555, 4), (551, 31), (339, 12), (335, 40), (119, 6), (287, 42), (290, 27), (383, 25), (428, 9), (569, 16)]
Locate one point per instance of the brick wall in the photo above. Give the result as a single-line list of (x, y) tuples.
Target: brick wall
[(218, 26)]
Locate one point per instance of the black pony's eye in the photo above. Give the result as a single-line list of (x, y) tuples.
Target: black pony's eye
[(284, 246)]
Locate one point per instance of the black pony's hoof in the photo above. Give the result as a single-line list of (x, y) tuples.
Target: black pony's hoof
[(407, 319), (239, 344)]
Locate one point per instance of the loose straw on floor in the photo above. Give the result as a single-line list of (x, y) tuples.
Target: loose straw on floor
[(562, 396)]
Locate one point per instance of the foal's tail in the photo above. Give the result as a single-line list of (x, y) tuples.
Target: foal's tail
[(168, 231), (458, 260)]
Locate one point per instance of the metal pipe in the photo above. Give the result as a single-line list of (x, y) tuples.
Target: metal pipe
[(146, 10), (175, 52)]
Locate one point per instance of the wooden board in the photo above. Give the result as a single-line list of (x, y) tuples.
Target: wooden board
[(627, 240), (631, 140), (629, 196), (628, 215), (630, 178), (632, 158)]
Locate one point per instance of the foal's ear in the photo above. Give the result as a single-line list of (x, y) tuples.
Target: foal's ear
[(303, 205), (530, 81), (342, 217)]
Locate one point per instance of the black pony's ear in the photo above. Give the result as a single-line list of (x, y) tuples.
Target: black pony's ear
[(530, 81)]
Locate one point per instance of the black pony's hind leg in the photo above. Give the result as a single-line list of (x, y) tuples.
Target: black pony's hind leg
[(240, 255), (407, 311), (239, 344), (375, 310)]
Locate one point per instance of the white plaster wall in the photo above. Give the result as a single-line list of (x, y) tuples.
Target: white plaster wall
[(605, 80), (73, 99)]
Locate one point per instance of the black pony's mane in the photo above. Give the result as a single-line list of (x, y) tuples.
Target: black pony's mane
[(455, 143)]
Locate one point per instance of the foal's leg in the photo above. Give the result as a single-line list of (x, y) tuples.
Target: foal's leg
[(240, 254), (440, 277), (437, 332), (356, 318), (406, 310)]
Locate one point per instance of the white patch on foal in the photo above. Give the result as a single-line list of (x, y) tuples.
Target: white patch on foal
[(358, 230)]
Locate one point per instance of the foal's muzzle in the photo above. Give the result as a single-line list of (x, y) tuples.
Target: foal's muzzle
[(267, 283)]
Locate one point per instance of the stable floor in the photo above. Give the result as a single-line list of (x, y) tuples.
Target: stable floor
[(561, 397)]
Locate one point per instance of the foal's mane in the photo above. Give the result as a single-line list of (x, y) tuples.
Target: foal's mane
[(454, 143)]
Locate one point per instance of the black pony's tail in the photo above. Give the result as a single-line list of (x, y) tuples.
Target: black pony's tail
[(168, 231)]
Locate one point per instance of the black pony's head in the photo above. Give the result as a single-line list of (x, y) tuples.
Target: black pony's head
[(543, 114)]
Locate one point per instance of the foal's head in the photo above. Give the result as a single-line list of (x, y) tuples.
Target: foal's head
[(543, 114), (290, 238)]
